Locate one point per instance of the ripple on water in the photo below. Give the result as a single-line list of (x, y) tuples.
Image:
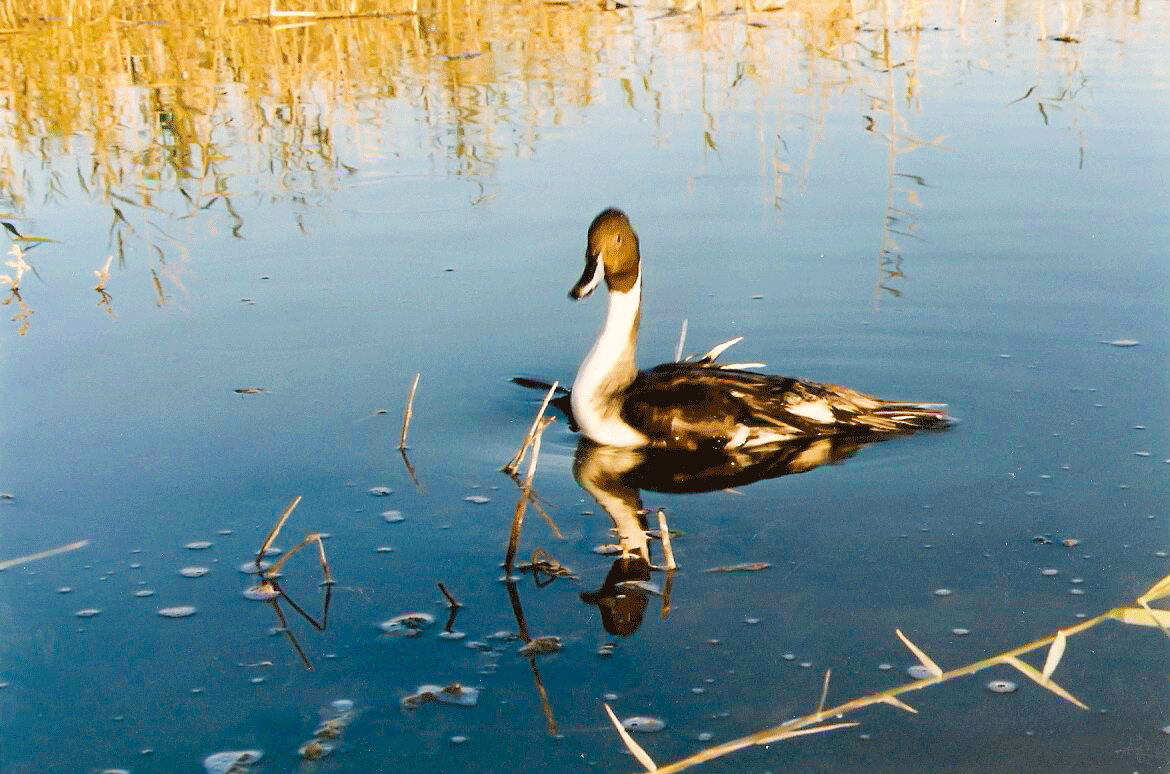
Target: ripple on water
[(194, 572), (179, 611), (198, 545)]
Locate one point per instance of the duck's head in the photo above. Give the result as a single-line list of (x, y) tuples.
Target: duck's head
[(612, 251)]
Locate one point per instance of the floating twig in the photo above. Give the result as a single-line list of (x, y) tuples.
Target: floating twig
[(525, 492), (514, 464), (451, 601), (270, 586), (531, 473), (276, 529), (410, 471), (1137, 616), (664, 534), (824, 691), (4, 565), (635, 749), (408, 413)]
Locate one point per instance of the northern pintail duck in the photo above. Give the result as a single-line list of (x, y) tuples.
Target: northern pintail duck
[(700, 404)]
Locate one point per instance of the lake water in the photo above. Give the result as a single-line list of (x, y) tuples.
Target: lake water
[(954, 202)]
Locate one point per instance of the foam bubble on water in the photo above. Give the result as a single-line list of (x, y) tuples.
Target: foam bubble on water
[(407, 624), (231, 761), (644, 724)]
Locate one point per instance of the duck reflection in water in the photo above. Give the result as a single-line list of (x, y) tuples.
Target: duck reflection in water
[(615, 477)]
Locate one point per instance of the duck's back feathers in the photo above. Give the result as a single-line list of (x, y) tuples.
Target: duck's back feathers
[(700, 405)]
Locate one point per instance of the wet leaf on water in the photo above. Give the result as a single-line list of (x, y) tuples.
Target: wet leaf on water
[(477, 499), (198, 545), (180, 611), (894, 701), (1055, 652), (251, 390), (741, 567), (194, 572), (381, 491), (1032, 674), (540, 646), (1157, 591), (1125, 342), (314, 750), (88, 612), (1140, 616)]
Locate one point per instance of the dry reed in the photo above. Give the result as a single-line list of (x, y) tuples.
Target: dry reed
[(1141, 615)]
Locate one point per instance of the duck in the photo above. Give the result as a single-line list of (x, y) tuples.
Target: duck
[(700, 404)]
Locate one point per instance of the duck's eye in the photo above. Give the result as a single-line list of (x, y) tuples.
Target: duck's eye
[(617, 239)]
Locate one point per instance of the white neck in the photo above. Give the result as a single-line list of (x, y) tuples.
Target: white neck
[(607, 370)]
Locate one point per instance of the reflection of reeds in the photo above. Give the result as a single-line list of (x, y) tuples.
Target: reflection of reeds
[(1140, 615), (174, 110), (269, 587)]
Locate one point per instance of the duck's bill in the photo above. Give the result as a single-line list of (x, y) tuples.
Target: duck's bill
[(589, 279)]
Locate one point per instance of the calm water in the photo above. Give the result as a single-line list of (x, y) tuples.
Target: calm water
[(967, 216)]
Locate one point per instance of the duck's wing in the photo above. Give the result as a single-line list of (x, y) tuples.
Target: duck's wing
[(700, 405)]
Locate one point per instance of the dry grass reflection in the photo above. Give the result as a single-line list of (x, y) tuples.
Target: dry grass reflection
[(176, 110)]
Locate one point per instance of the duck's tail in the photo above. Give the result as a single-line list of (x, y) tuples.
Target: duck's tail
[(899, 417)]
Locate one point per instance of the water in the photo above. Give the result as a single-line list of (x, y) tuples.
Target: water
[(968, 217)]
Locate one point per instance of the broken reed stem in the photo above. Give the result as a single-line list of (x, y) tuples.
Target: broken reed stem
[(289, 554), (824, 691), (408, 413), (525, 492), (784, 730), (4, 565), (682, 340), (451, 601), (514, 464), (664, 534), (514, 537), (531, 473), (666, 588), (276, 529)]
